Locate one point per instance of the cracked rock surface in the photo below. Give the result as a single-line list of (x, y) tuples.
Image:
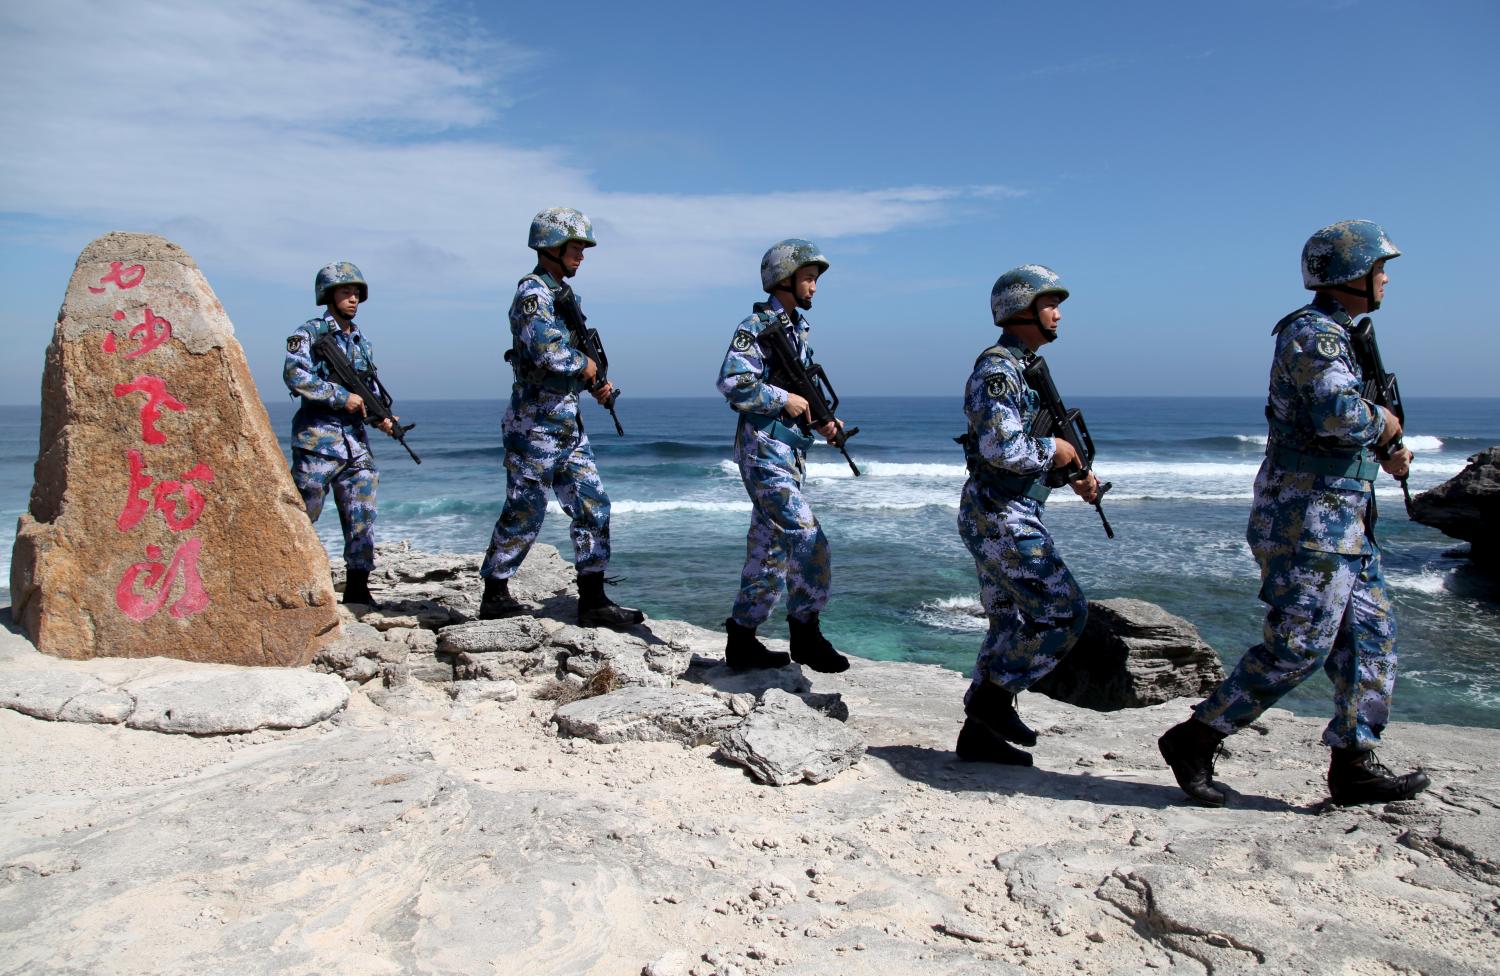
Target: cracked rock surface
[(448, 827)]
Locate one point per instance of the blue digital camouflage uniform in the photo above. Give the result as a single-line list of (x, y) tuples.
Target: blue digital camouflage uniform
[(1036, 610), (785, 546), (1311, 533), (545, 444), (329, 444)]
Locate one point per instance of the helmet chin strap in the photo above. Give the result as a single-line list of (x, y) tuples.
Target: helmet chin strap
[(1029, 317), (1365, 291), (804, 304), (555, 255)]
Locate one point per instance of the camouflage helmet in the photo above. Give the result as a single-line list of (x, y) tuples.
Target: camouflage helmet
[(339, 273), (785, 258), (1344, 252), (557, 226), (1015, 290)]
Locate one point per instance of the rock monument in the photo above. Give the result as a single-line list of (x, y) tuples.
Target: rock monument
[(163, 520)]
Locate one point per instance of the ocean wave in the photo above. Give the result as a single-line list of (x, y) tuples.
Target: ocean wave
[(962, 613), (1427, 581), (430, 507), (871, 469)]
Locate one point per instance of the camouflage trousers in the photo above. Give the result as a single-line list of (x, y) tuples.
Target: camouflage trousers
[(1324, 608), (786, 545), (354, 481), (1036, 610), (530, 469)]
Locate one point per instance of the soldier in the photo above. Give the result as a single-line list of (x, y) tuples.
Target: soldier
[(329, 446), (1311, 530), (1036, 610), (545, 444), (786, 546)]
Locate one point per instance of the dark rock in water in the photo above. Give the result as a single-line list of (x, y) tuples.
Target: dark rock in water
[(1467, 506), (1133, 654)]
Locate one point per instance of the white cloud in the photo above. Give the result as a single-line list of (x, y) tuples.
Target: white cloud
[(272, 134)]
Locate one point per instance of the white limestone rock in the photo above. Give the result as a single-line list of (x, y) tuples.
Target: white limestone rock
[(785, 741)]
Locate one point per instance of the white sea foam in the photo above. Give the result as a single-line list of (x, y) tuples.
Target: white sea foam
[(1422, 442), (675, 505), (888, 469), (1251, 439), (963, 613), (1426, 581)]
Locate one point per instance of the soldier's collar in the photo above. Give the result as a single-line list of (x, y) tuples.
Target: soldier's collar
[(792, 313), (547, 278), (1012, 341), (1333, 308), (331, 326)]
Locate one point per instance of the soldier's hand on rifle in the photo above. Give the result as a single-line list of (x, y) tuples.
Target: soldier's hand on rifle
[(1392, 427), (1086, 488), (388, 424), (1065, 454), (356, 404), (1398, 465), (830, 430), (590, 370), (602, 393), (796, 406)]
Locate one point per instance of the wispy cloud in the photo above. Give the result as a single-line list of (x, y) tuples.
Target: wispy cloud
[(277, 134)]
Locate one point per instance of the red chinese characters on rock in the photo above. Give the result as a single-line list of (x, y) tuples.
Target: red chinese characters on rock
[(121, 277), (156, 397), (159, 580), (150, 332), (137, 504), (148, 586)]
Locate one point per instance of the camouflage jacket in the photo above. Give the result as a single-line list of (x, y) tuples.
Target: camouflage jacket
[(1000, 409), (548, 370), (745, 377), (1315, 404), (321, 424), (764, 434), (1314, 407)]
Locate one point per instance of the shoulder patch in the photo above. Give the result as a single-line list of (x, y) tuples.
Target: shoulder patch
[(1329, 347), (529, 305), (743, 340), (998, 386), (296, 341)]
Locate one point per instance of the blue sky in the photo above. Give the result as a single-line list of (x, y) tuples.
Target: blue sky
[(1168, 159)]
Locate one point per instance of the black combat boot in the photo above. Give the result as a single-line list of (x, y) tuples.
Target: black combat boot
[(996, 707), (978, 742), (497, 602), (744, 652), (597, 610), (1356, 776), (357, 588), (811, 648), (1189, 748)]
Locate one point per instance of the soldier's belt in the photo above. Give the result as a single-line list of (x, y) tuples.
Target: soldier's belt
[(1020, 486), (774, 428), (1360, 467), (552, 381)]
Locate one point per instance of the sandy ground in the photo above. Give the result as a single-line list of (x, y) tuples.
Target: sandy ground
[(413, 835)]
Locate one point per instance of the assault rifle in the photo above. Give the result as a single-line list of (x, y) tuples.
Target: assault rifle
[(1380, 389), (587, 341), (1056, 420), (365, 386), (808, 382)]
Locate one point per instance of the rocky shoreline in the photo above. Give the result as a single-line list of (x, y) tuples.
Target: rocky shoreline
[(515, 821)]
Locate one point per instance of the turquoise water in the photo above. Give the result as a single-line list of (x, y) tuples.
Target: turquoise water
[(903, 585)]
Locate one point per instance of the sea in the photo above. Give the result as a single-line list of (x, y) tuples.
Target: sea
[(904, 587)]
